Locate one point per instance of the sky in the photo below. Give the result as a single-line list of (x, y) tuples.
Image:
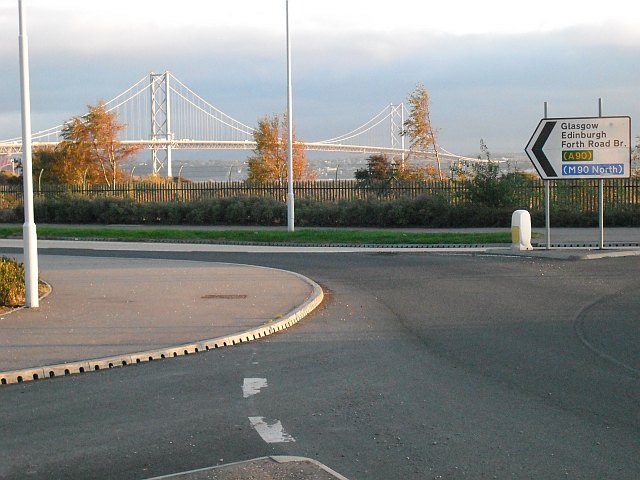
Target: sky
[(489, 66)]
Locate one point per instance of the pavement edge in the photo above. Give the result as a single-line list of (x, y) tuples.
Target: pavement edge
[(83, 366), (277, 459)]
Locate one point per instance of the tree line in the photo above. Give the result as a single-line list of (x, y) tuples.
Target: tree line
[(91, 153)]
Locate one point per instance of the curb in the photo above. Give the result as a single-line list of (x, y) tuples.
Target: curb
[(571, 253), (232, 243), (41, 297), (275, 459), (597, 256), (588, 245), (83, 366)]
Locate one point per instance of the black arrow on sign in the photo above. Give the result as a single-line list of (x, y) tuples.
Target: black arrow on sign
[(539, 154)]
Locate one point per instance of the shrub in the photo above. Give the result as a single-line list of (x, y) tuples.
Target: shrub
[(623, 217), (203, 212), (309, 214), (492, 207), (427, 210), (12, 290), (9, 214), (491, 188)]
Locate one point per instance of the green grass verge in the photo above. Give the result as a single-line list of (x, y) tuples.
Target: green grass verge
[(300, 236)]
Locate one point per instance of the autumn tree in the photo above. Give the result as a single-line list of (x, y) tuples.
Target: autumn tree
[(55, 166), (635, 159), (418, 126), (270, 160), (379, 170), (91, 149)]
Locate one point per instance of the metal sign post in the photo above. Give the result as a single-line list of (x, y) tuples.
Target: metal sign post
[(601, 192), (547, 198)]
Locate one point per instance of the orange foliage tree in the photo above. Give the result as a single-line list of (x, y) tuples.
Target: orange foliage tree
[(270, 160), (91, 148), (418, 126)]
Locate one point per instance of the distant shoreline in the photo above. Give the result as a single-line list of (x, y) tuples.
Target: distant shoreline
[(220, 170)]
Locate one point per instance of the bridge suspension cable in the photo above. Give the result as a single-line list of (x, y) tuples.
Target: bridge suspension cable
[(209, 126), (160, 112), (365, 127), (386, 114)]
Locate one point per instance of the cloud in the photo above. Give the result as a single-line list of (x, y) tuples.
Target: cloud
[(488, 74)]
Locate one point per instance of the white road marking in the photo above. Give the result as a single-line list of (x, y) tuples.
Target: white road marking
[(252, 386), (271, 432)]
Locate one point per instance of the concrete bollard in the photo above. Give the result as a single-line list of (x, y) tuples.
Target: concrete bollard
[(521, 230)]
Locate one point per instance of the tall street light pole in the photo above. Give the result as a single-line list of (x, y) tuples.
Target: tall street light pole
[(29, 236), (290, 197)]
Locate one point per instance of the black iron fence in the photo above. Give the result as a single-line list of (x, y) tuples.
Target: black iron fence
[(581, 194)]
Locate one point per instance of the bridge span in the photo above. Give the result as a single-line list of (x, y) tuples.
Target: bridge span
[(161, 114)]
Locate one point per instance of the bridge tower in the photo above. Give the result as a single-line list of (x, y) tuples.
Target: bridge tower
[(396, 115), (161, 121)]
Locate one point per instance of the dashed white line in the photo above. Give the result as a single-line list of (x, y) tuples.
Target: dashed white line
[(271, 431), (252, 386)]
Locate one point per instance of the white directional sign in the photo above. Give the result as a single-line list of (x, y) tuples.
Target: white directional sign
[(590, 147)]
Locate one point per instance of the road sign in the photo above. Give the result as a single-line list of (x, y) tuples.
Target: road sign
[(589, 147)]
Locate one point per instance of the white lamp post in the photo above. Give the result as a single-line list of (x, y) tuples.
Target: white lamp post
[(29, 235), (290, 199)]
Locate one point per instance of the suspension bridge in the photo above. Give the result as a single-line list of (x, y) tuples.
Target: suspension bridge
[(161, 114)]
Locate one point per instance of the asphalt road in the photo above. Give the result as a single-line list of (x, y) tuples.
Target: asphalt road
[(417, 366)]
